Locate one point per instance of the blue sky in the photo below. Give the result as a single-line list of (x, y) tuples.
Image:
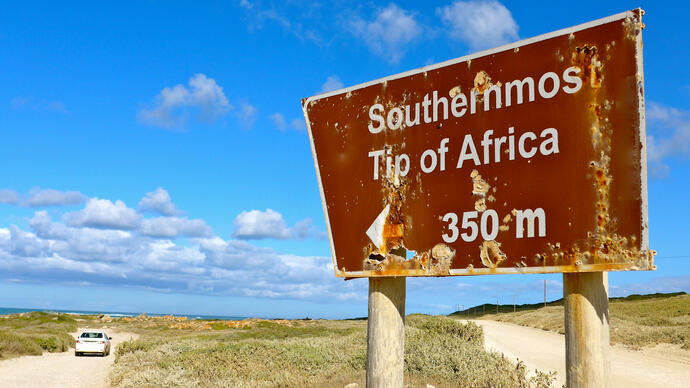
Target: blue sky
[(155, 155)]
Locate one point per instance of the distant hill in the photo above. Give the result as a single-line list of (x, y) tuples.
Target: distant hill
[(490, 308)]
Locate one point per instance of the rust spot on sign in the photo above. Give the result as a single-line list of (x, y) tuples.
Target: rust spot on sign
[(491, 255)]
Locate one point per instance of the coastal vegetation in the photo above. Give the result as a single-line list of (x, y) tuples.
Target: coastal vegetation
[(442, 351), (35, 332), (312, 353)]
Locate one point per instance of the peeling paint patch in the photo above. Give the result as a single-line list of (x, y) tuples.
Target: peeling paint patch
[(441, 258), (480, 205), (479, 185), (454, 92), (491, 255)]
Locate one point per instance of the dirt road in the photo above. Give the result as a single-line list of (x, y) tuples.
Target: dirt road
[(664, 366), (61, 370)]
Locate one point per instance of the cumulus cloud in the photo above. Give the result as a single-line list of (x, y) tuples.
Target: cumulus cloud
[(480, 24), (158, 201), (247, 115), (9, 196), (172, 107), (281, 124), (56, 252), (173, 227), (298, 125), (389, 33), (112, 245), (282, 14), (32, 104), (257, 224), (332, 83), (279, 121), (104, 214), (668, 137), (51, 197)]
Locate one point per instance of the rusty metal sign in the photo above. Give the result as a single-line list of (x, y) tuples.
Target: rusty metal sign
[(527, 158)]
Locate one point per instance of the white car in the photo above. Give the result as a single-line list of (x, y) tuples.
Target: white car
[(93, 341)]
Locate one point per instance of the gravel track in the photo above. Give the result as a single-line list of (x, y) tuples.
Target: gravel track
[(61, 370), (664, 365)]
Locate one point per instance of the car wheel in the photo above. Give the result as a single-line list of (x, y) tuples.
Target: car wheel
[(77, 354)]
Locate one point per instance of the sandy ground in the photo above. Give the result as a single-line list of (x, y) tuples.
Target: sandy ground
[(61, 370), (661, 366)]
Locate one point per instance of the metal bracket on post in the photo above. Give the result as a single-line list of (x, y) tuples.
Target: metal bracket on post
[(585, 297), (386, 332)]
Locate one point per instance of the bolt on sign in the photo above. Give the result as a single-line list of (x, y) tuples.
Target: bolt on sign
[(527, 158)]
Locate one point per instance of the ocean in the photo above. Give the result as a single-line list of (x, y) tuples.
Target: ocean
[(115, 314)]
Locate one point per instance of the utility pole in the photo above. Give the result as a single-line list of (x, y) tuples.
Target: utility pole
[(496, 306), (544, 292), (514, 303)]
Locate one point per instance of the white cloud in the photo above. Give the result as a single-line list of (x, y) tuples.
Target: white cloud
[(90, 246), (389, 33), (332, 83), (102, 213), (51, 197), (31, 104), (279, 121), (303, 26), (158, 201), (209, 266), (9, 196), (298, 125), (247, 115), (668, 136), (480, 24), (44, 226), (173, 227), (257, 224), (171, 107)]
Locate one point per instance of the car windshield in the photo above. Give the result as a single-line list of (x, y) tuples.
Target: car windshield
[(91, 335)]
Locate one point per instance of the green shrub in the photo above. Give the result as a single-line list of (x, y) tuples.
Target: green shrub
[(439, 351), (445, 348)]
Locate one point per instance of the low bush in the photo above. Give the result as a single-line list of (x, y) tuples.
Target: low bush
[(36, 332), (439, 351)]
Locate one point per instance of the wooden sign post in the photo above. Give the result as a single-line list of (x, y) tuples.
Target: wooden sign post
[(386, 332), (526, 158), (586, 301)]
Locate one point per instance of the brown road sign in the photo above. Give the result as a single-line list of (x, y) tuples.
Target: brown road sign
[(527, 158)]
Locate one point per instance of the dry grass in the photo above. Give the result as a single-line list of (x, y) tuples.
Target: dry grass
[(438, 351), (635, 321), (36, 332)]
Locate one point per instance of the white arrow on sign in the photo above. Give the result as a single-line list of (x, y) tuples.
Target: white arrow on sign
[(375, 231)]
